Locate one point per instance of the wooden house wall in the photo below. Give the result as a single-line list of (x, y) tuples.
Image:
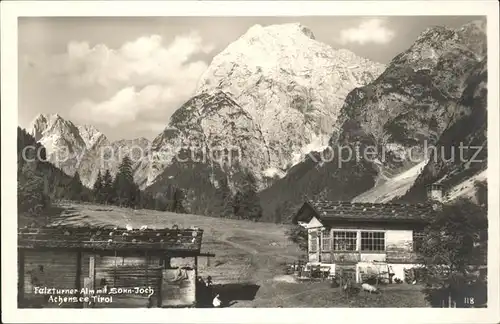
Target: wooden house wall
[(398, 245), (59, 270), (178, 287), (129, 271), (313, 256)]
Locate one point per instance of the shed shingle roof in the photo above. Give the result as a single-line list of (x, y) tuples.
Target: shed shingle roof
[(181, 240), (333, 211)]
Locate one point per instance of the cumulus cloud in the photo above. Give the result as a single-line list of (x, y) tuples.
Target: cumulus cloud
[(368, 31), (131, 104), (153, 79), (142, 61)]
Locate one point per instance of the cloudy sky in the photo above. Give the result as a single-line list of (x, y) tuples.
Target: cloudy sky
[(126, 76)]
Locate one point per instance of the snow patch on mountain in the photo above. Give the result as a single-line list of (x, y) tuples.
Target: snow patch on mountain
[(273, 172), (318, 144), (466, 188), (393, 187)]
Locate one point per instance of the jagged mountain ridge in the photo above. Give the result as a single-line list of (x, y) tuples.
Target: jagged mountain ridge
[(61, 139), (84, 149), (291, 85), (288, 84), (412, 102), (209, 128), (285, 87)]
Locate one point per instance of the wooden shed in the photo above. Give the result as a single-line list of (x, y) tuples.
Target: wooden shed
[(78, 267)]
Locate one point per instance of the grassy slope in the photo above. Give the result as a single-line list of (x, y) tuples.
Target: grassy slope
[(246, 252)]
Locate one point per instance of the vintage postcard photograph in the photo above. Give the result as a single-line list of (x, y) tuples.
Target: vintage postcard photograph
[(221, 162)]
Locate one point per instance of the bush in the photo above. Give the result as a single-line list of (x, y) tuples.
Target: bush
[(298, 235), (454, 252)]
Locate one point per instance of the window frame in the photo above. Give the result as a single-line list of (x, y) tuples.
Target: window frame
[(417, 236), (313, 238), (327, 238), (348, 240), (375, 242)]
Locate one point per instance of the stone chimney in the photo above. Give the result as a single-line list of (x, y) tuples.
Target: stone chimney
[(435, 193)]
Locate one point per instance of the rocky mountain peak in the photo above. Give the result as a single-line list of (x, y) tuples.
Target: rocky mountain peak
[(291, 85), (279, 31), (438, 43), (281, 53), (90, 135), (50, 123), (38, 126)]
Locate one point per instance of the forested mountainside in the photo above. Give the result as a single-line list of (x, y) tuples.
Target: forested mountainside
[(410, 105), (462, 149), (260, 136)]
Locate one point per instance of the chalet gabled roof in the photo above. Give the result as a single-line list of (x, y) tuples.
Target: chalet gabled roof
[(111, 239), (329, 211)]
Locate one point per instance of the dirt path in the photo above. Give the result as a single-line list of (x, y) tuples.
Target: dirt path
[(237, 245), (263, 267)]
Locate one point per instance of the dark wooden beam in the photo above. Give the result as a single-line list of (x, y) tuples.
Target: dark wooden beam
[(78, 276), (121, 252), (195, 279), (147, 267), (92, 270), (20, 272), (114, 273), (167, 260)]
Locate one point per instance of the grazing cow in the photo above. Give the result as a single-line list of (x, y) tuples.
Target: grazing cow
[(369, 288)]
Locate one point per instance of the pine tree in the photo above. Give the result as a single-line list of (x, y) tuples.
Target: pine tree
[(250, 207), (97, 188), (298, 235), (160, 202), (147, 200), (75, 187), (30, 190), (135, 195), (178, 201), (237, 204), (107, 195), (125, 169), (278, 214), (223, 199), (124, 187)]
